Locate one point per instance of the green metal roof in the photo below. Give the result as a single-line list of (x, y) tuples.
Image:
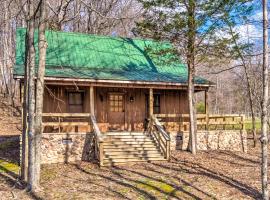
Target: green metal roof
[(76, 55)]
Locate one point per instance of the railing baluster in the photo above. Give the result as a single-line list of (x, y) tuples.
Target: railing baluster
[(158, 132)]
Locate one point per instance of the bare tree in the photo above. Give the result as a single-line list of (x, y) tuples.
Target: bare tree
[(42, 46), (31, 95), (264, 137)]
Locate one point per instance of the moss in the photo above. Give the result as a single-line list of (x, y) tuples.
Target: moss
[(156, 186), (6, 166), (48, 173), (124, 191)]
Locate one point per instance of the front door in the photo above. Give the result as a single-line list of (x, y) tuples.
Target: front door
[(116, 111)]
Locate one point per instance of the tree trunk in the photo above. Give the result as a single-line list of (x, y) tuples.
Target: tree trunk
[(24, 157), (191, 74), (42, 45), (31, 99), (264, 137)]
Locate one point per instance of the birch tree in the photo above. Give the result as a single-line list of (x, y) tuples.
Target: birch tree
[(31, 95), (42, 46), (264, 137)]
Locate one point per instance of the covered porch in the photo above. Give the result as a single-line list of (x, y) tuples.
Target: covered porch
[(136, 124)]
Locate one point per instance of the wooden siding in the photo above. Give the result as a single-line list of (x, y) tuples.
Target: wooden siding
[(135, 111)]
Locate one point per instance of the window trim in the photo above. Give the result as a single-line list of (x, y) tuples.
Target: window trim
[(82, 94)]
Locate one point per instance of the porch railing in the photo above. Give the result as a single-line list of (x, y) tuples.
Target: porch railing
[(98, 138), (204, 121), (157, 131), (60, 120)]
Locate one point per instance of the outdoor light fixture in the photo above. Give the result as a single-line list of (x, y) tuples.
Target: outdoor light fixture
[(131, 99)]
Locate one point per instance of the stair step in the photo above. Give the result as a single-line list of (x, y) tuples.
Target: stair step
[(134, 152), (127, 156), (126, 136), (123, 133), (127, 145), (130, 148), (121, 161), (127, 139), (127, 142)]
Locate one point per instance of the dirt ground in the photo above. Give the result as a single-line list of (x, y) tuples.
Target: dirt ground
[(10, 120), (208, 175)]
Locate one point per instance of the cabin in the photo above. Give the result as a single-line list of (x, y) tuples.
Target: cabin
[(118, 100)]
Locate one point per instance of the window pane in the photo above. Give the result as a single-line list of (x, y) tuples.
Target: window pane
[(75, 98), (116, 103)]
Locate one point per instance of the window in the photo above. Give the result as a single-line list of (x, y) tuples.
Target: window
[(116, 102), (75, 102), (156, 104)]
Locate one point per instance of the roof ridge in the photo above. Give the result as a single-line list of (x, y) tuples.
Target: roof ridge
[(102, 36)]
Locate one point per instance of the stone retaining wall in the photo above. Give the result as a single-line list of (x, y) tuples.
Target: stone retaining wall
[(233, 140), (69, 148), (66, 148)]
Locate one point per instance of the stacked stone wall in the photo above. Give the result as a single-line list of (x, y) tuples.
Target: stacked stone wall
[(233, 140), (66, 148)]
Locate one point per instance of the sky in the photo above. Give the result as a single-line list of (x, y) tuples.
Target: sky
[(254, 28)]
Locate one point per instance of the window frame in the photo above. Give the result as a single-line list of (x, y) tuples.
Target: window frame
[(115, 103), (82, 95)]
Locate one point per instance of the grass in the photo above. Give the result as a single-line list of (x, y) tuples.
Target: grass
[(158, 188), (248, 124), (6, 167)]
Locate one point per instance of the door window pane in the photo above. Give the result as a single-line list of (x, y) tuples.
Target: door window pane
[(116, 102)]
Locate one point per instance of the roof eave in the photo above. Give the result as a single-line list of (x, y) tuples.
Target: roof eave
[(116, 81)]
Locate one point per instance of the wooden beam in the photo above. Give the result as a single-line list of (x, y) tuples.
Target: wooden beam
[(65, 123), (66, 115), (92, 100), (206, 102), (151, 102), (206, 110), (89, 81)]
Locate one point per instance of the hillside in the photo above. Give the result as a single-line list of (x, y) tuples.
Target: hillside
[(10, 119)]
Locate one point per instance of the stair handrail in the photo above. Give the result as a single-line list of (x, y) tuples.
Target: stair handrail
[(98, 139), (157, 130)]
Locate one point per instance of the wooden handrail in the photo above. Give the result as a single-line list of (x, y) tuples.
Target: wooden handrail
[(158, 132), (60, 122), (65, 114), (209, 120), (98, 140), (160, 128), (197, 115), (96, 128)]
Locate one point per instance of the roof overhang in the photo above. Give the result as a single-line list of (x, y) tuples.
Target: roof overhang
[(118, 83)]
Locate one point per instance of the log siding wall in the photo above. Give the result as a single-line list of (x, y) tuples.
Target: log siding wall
[(171, 102)]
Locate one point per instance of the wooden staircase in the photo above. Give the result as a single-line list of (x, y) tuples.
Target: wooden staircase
[(124, 147), (113, 148)]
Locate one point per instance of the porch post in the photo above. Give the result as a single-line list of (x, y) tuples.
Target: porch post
[(206, 101), (206, 109), (92, 100), (151, 102)]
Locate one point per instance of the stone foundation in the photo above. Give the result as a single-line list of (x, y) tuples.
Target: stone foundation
[(233, 140), (66, 148), (69, 148)]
